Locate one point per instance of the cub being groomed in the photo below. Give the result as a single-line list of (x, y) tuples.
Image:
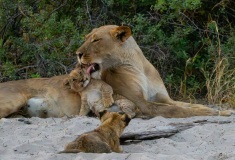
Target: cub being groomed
[(95, 94), (104, 139)]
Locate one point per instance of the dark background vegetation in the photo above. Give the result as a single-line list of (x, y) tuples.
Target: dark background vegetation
[(190, 42)]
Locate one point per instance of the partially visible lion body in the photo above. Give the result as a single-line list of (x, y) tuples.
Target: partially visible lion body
[(45, 97), (96, 95), (50, 97), (124, 67)]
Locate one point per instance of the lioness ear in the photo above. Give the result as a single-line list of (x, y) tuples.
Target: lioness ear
[(66, 82), (122, 33)]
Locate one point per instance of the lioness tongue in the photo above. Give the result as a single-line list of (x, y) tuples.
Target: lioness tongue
[(90, 68)]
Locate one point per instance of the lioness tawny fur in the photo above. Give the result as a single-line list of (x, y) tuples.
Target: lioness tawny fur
[(113, 54)]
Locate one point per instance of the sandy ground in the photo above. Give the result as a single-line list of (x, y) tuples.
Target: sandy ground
[(37, 138)]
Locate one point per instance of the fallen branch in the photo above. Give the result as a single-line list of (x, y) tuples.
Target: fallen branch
[(163, 133)]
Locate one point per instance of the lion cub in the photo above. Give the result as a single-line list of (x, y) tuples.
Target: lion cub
[(96, 95), (104, 139)]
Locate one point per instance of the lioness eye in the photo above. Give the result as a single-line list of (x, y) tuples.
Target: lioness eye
[(95, 40)]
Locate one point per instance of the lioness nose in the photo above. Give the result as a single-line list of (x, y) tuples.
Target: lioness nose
[(79, 54)]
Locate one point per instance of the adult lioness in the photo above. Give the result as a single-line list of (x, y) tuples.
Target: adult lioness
[(111, 53), (44, 97)]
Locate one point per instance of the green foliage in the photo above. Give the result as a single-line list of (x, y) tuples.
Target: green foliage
[(184, 39), (177, 5), (36, 75), (8, 70)]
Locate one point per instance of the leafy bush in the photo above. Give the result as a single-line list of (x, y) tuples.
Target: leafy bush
[(191, 42)]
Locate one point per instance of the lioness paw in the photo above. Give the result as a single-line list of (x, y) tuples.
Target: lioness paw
[(227, 113)]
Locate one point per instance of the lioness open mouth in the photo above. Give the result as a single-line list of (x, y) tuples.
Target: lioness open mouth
[(90, 68)]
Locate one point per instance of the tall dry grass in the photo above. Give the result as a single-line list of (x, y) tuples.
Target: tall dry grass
[(220, 80)]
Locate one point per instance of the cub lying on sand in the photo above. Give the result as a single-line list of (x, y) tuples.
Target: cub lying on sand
[(96, 95), (104, 139)]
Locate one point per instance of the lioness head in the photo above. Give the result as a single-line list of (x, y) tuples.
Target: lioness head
[(77, 80), (103, 48)]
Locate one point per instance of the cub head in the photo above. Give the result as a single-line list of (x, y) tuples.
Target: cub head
[(77, 80), (103, 48), (115, 118)]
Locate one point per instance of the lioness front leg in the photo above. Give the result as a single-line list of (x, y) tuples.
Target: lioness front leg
[(134, 92), (85, 108), (172, 111), (107, 93)]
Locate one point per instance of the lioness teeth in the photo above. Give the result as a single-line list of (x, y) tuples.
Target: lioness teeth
[(93, 67)]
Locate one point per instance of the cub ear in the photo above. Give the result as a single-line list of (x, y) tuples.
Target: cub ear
[(122, 33), (102, 113), (126, 119)]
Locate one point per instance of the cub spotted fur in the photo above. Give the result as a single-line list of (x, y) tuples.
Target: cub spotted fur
[(96, 95), (104, 139)]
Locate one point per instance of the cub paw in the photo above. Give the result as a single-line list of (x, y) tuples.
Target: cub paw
[(120, 149), (107, 102)]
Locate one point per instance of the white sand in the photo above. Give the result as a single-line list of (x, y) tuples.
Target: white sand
[(43, 138)]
